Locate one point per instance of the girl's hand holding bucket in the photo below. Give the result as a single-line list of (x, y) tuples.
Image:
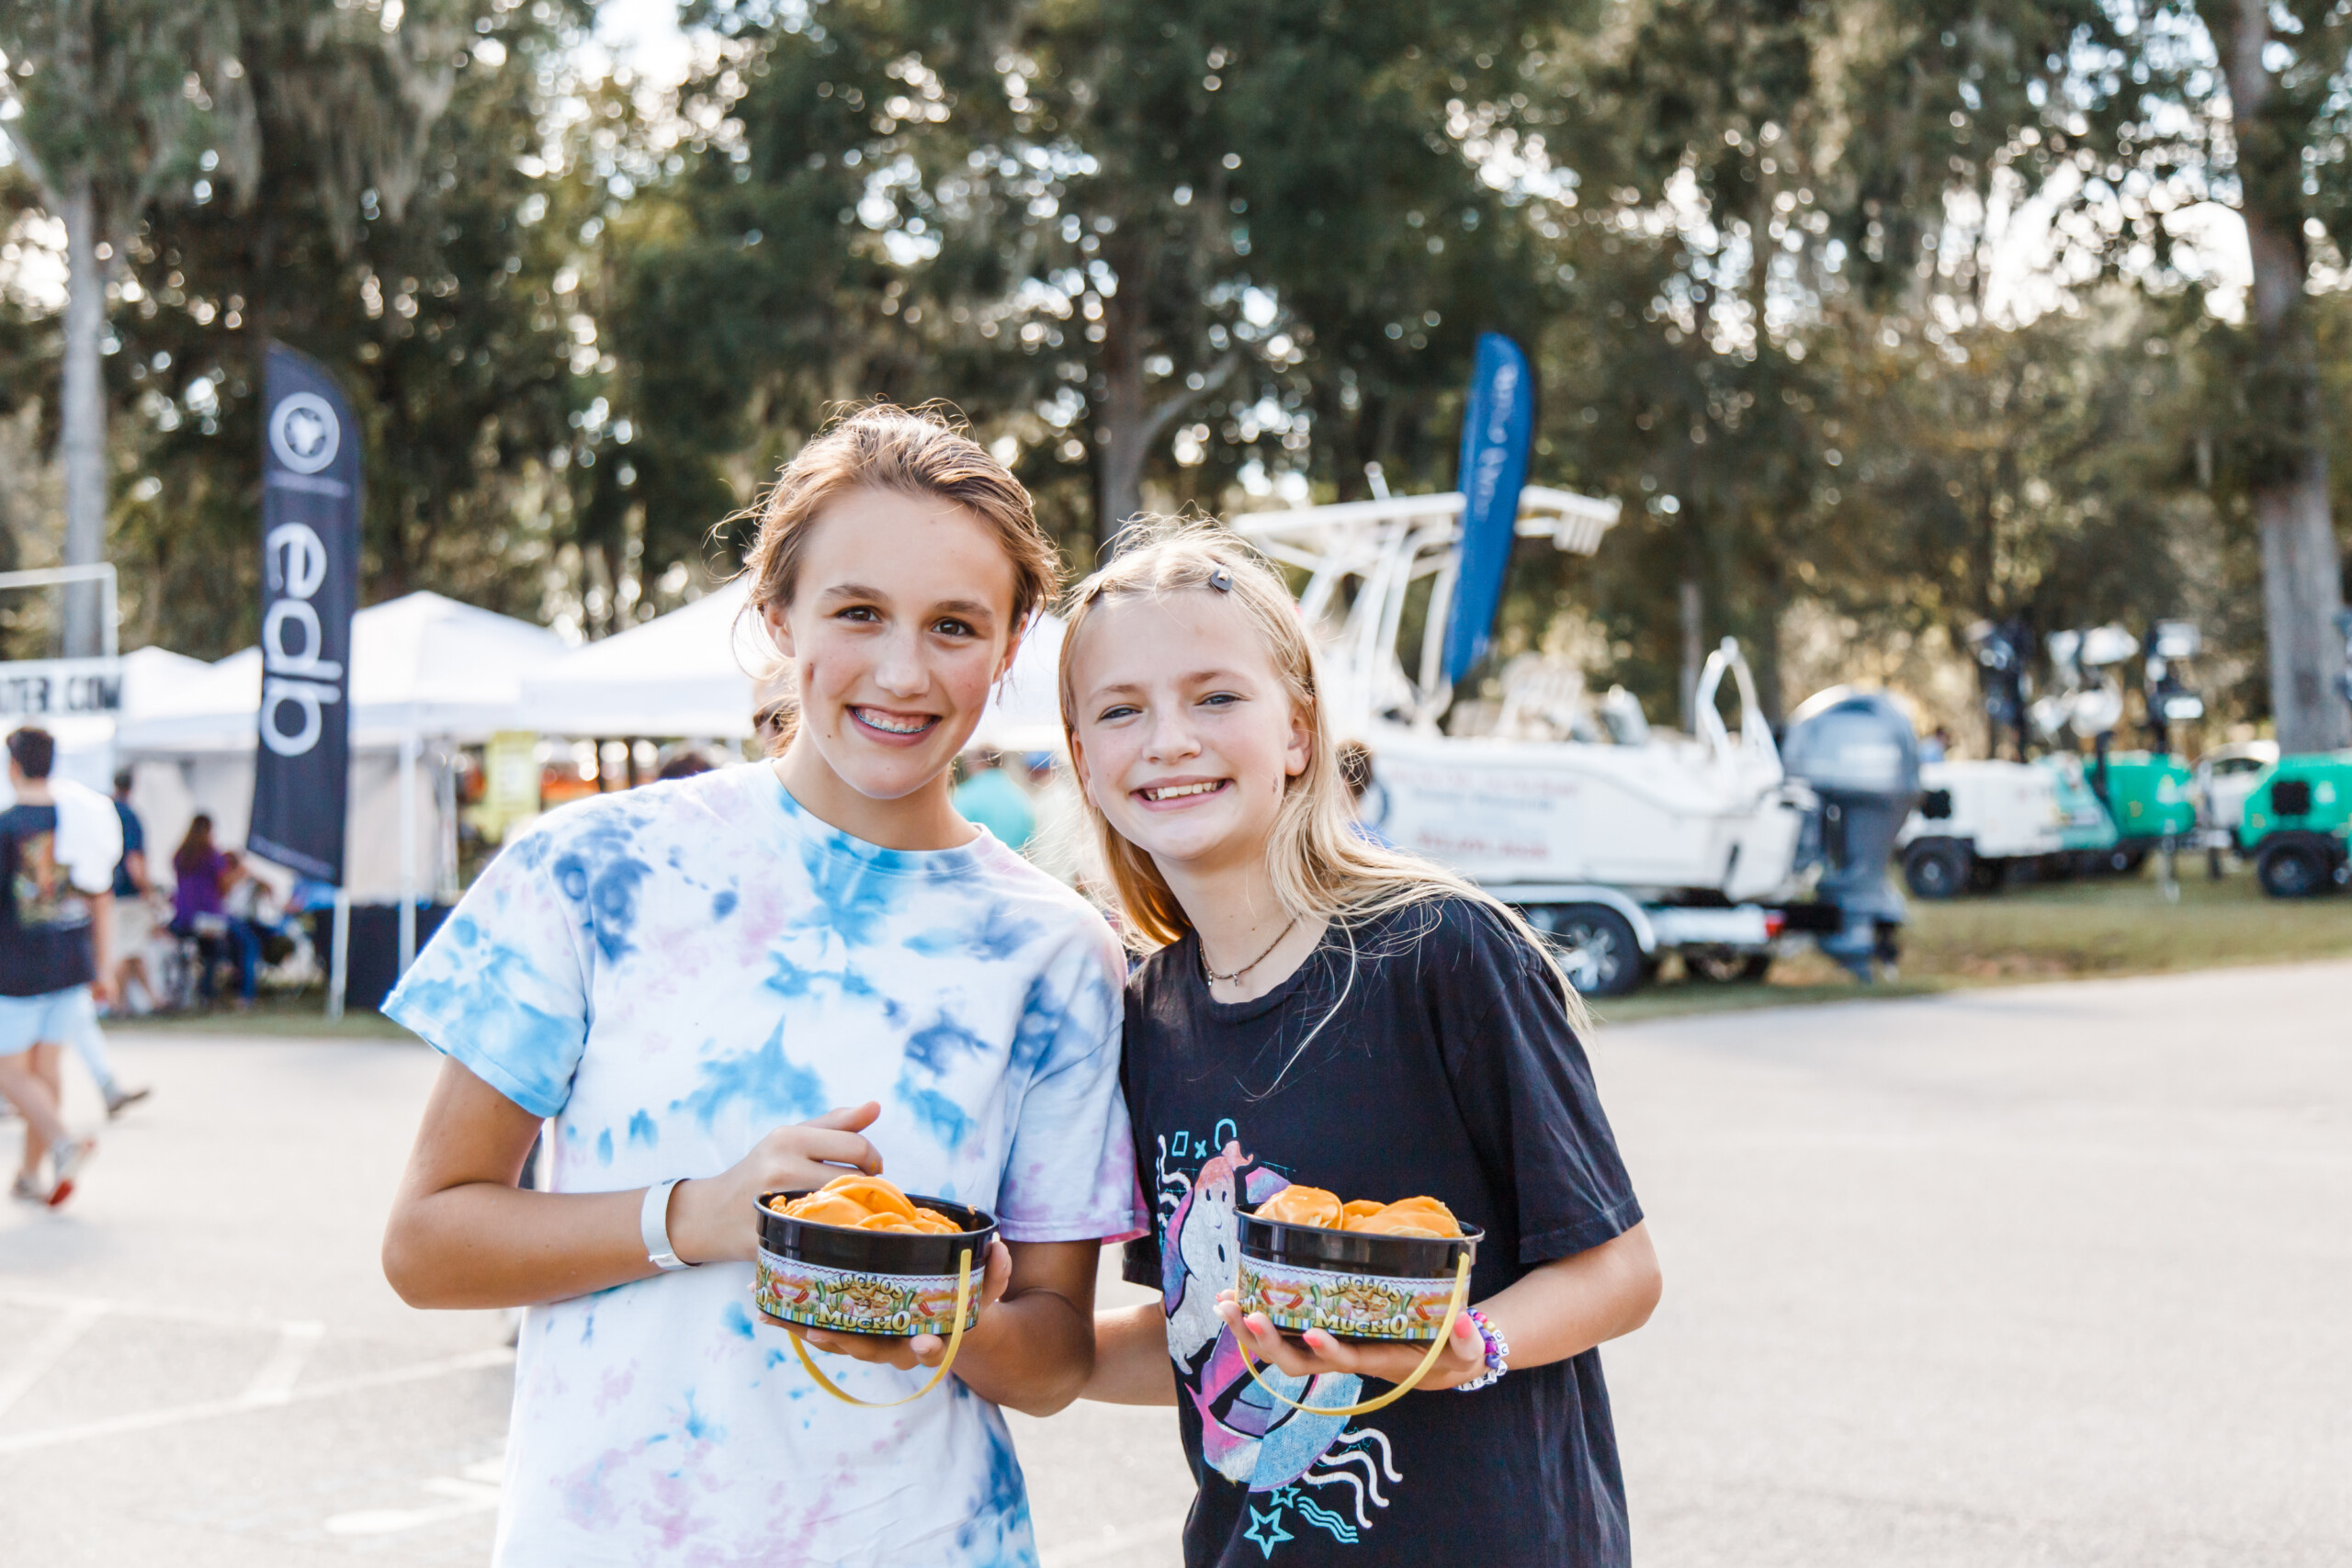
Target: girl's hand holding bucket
[(715, 1219), (1389, 1360), (916, 1350)]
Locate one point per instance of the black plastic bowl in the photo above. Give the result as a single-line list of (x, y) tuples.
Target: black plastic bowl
[(854, 1281), (1348, 1283)]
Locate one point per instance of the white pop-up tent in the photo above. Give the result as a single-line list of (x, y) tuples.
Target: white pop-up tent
[(420, 665), (154, 681), (426, 672), (689, 673), (686, 673)]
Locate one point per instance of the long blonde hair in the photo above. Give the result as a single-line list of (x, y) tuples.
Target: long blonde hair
[(1323, 869)]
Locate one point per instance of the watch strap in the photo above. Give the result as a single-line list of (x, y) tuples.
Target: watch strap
[(653, 1227)]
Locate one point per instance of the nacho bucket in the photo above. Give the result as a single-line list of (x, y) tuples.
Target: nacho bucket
[(1351, 1284), (879, 1282)]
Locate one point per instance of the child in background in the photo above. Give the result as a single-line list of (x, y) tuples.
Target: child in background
[(1321, 1010), (685, 977)]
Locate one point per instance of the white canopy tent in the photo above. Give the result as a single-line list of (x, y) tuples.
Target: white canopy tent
[(689, 673), (425, 670), (686, 673), (420, 665), (154, 681)]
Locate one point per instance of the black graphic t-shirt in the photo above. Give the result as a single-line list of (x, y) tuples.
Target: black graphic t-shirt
[(1448, 1070), (44, 923)]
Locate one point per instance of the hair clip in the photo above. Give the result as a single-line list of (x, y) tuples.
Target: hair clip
[(1221, 579)]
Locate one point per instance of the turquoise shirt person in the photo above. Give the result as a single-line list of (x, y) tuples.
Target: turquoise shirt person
[(991, 799)]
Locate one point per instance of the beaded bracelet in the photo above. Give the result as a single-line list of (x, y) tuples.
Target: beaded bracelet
[(1498, 1353)]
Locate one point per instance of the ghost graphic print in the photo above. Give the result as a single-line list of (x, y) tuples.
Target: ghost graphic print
[(1305, 1469)]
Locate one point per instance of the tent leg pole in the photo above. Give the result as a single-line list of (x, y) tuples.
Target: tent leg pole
[(408, 851), (339, 960)]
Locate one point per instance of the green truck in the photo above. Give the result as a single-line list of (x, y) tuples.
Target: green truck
[(2298, 819)]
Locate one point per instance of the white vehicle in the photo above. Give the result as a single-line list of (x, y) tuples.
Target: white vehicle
[(1623, 849), (1975, 820), (2225, 777)]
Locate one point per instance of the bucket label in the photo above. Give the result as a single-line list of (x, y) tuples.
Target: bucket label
[(1362, 1307), (857, 1302)]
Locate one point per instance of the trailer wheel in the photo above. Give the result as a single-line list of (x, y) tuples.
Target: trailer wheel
[(1597, 949), (1935, 868), (2291, 870)]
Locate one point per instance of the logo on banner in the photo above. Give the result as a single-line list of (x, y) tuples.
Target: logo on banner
[(296, 681), (304, 432)]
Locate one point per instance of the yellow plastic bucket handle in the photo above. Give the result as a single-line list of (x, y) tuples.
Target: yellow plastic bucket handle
[(1437, 1349), (955, 1342)]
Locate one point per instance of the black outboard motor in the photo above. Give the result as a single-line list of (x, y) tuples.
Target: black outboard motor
[(1857, 751)]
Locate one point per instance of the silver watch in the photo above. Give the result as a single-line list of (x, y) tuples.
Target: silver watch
[(653, 1227)]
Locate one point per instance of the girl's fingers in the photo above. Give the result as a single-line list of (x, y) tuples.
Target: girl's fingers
[(828, 1146), (1268, 1342), (848, 1118)]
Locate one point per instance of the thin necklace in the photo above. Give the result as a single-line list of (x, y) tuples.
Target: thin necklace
[(1236, 976)]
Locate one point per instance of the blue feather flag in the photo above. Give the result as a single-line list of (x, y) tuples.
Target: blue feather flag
[(1496, 429)]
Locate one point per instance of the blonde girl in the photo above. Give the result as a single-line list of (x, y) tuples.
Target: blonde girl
[(752, 980), (1318, 1009)]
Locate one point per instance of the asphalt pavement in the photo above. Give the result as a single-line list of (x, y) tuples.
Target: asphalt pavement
[(2053, 1274)]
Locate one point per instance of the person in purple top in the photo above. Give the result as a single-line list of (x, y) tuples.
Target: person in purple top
[(206, 872)]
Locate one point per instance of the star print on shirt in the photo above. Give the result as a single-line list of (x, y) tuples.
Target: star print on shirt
[(1270, 1523), (1285, 1497)]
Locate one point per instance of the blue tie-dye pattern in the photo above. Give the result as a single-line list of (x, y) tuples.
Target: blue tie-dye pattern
[(936, 1047), (531, 851), (739, 1322), (604, 1146), (700, 1428), (642, 1130), (516, 1048), (946, 1120), (999, 936), (767, 1081), (602, 875), (999, 1524), (788, 980), (853, 897), (1040, 1026), (723, 904)]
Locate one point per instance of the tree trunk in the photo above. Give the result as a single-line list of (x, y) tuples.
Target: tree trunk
[(2301, 585), (1694, 651), (82, 415), (1126, 424), (1121, 418)]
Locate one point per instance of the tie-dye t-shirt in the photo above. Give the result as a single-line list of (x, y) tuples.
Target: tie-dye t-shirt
[(669, 973)]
